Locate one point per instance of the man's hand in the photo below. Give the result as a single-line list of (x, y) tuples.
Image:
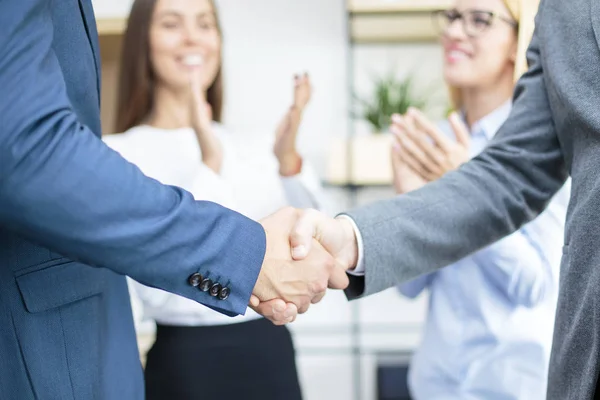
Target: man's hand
[(336, 235), (297, 283)]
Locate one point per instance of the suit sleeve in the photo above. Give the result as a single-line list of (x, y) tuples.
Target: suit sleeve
[(63, 188), (493, 195)]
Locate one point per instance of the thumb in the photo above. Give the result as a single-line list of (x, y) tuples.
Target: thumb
[(254, 301), (208, 110), (460, 129), (338, 278), (303, 233), (198, 95)]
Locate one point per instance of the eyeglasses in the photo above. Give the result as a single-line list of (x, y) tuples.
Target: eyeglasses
[(474, 22)]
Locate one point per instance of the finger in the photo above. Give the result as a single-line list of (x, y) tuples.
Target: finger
[(408, 145), (423, 123), (307, 79), (338, 278), (196, 85), (303, 307), (460, 129), (275, 310), (254, 301), (395, 156), (414, 165), (291, 312), (317, 298), (303, 233), (200, 107), (208, 110), (436, 157)]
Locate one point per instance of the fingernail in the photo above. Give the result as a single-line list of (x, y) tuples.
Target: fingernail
[(397, 118), (299, 252)]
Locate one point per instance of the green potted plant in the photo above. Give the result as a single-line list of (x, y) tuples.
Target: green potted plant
[(390, 95), (370, 162)]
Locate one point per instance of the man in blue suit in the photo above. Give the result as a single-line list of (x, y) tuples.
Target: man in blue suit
[(75, 218)]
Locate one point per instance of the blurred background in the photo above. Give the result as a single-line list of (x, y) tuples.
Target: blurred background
[(355, 51)]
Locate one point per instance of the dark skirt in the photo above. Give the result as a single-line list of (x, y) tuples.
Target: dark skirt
[(247, 360)]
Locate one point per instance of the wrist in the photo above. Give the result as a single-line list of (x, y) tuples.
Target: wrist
[(290, 164), (214, 163), (350, 253)]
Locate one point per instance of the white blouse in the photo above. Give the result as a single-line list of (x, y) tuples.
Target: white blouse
[(249, 183)]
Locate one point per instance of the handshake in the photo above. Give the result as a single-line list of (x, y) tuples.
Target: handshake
[(307, 252)]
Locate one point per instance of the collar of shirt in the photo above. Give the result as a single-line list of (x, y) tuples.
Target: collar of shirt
[(484, 129), (491, 123)]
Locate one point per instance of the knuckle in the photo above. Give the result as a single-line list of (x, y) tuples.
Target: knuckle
[(329, 263), (319, 286), (311, 213)]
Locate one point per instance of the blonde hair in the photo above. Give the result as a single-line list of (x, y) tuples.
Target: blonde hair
[(523, 12)]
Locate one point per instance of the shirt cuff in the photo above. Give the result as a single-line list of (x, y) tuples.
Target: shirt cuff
[(359, 270)]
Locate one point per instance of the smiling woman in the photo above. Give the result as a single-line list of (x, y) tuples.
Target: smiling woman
[(164, 27)]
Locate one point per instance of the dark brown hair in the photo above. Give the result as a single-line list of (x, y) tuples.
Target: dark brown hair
[(136, 78)]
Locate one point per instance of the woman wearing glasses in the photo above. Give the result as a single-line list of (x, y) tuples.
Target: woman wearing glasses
[(489, 326)]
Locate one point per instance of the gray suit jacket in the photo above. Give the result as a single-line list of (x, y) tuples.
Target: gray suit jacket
[(553, 131)]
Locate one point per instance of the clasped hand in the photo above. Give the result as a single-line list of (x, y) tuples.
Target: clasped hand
[(307, 252)]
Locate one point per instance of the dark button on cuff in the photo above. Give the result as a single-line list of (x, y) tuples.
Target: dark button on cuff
[(224, 293), (215, 290), (205, 285), (195, 279)]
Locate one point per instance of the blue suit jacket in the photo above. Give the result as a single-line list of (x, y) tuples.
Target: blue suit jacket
[(75, 218)]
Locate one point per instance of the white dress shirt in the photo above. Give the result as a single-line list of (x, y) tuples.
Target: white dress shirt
[(249, 182)]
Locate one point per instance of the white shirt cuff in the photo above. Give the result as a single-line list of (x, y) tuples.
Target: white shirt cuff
[(359, 270)]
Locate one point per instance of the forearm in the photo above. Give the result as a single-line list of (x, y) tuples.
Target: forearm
[(61, 187), (93, 206), (212, 154)]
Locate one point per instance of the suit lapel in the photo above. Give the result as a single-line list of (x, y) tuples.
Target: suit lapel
[(89, 20)]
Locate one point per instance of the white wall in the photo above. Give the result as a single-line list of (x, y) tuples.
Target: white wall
[(266, 43), (111, 8)]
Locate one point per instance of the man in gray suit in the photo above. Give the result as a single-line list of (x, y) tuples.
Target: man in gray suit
[(553, 131)]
